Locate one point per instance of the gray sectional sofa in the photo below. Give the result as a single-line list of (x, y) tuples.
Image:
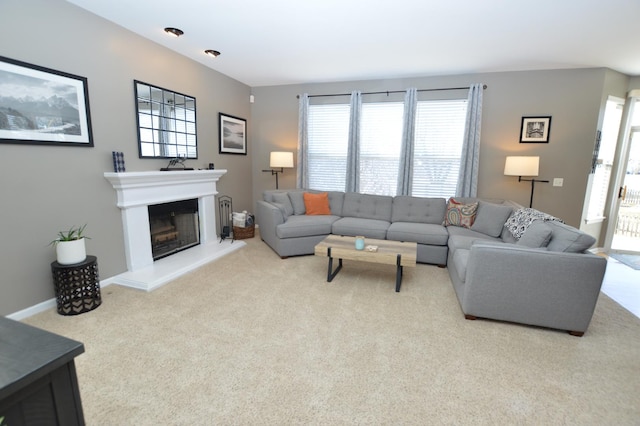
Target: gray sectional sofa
[(512, 264), (286, 228)]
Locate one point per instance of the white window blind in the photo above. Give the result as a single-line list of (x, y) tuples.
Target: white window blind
[(438, 147), (328, 142)]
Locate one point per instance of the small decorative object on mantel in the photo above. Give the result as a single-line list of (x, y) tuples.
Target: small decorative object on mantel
[(118, 161), (70, 246), (173, 165)]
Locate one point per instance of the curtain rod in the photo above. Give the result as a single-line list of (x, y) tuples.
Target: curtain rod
[(387, 92)]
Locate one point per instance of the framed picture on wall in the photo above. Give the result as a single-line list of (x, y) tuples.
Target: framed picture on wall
[(43, 106), (233, 135), (535, 129)]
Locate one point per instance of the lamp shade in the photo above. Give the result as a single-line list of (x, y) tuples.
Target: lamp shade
[(281, 159), (521, 166)]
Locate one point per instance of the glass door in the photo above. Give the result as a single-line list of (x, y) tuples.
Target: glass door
[(626, 237)]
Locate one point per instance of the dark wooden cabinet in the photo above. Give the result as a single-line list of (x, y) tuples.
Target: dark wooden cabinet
[(38, 382)]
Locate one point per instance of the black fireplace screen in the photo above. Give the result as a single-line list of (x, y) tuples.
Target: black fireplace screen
[(174, 227)]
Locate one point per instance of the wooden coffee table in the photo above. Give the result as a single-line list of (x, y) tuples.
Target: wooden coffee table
[(389, 253)]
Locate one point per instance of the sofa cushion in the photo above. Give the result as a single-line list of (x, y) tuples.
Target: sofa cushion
[(305, 226), (568, 239), (459, 214), (490, 218), (316, 204), (354, 226), (367, 206), (297, 201), (336, 200), (281, 199), (421, 233), (537, 235), (418, 210), (463, 238)]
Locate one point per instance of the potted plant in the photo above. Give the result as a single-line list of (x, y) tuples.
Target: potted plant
[(70, 246)]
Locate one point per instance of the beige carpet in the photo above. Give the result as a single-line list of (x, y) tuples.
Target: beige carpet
[(255, 340)]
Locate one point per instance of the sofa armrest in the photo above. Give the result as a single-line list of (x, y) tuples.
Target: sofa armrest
[(268, 216), (532, 286)]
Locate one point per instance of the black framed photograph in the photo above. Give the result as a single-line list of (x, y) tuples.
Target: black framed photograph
[(39, 105), (233, 135), (535, 129)]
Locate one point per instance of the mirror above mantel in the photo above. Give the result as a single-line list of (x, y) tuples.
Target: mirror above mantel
[(166, 123)]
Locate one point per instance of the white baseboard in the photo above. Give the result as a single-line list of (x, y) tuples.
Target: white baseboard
[(47, 304)]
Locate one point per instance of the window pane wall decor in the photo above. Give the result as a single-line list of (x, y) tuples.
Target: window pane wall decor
[(166, 123)]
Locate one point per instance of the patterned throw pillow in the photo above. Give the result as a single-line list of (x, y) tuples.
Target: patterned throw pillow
[(520, 220), (459, 214)]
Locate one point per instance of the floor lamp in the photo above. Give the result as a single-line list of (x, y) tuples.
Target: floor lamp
[(524, 166), (279, 160)]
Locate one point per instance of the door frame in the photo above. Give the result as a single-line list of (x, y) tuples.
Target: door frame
[(623, 149)]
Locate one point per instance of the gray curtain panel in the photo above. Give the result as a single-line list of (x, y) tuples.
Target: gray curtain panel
[(302, 177), (405, 170), (353, 151), (468, 177)]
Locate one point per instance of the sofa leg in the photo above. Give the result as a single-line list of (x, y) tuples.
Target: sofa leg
[(284, 257), (470, 317), (576, 333), (442, 266)]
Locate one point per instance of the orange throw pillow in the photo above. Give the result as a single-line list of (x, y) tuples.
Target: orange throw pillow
[(316, 204)]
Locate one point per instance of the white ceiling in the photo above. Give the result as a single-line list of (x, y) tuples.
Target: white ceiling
[(301, 41)]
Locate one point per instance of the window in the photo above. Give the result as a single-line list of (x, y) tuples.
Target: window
[(380, 144), (437, 151), (328, 142), (438, 147)]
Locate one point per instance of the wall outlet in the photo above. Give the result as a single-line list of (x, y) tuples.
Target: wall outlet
[(558, 181)]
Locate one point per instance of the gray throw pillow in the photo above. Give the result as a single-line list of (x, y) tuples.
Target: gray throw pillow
[(281, 199), (537, 235), (297, 201), (568, 239), (491, 218)]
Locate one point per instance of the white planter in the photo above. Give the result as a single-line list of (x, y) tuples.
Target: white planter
[(70, 252)]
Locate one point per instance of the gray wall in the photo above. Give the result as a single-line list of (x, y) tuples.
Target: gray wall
[(45, 189), (574, 98)]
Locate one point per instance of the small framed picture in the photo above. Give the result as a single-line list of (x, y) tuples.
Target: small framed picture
[(40, 105), (535, 129), (233, 135)]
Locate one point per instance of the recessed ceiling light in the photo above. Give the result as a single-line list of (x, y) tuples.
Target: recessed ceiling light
[(212, 53), (176, 32)]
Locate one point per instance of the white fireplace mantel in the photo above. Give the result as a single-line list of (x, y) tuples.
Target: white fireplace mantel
[(135, 192)]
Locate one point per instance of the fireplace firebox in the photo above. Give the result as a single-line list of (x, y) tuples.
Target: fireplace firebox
[(173, 227)]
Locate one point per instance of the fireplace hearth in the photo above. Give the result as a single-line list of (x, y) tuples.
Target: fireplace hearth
[(136, 191)]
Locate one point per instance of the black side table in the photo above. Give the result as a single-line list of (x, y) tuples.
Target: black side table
[(77, 286)]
